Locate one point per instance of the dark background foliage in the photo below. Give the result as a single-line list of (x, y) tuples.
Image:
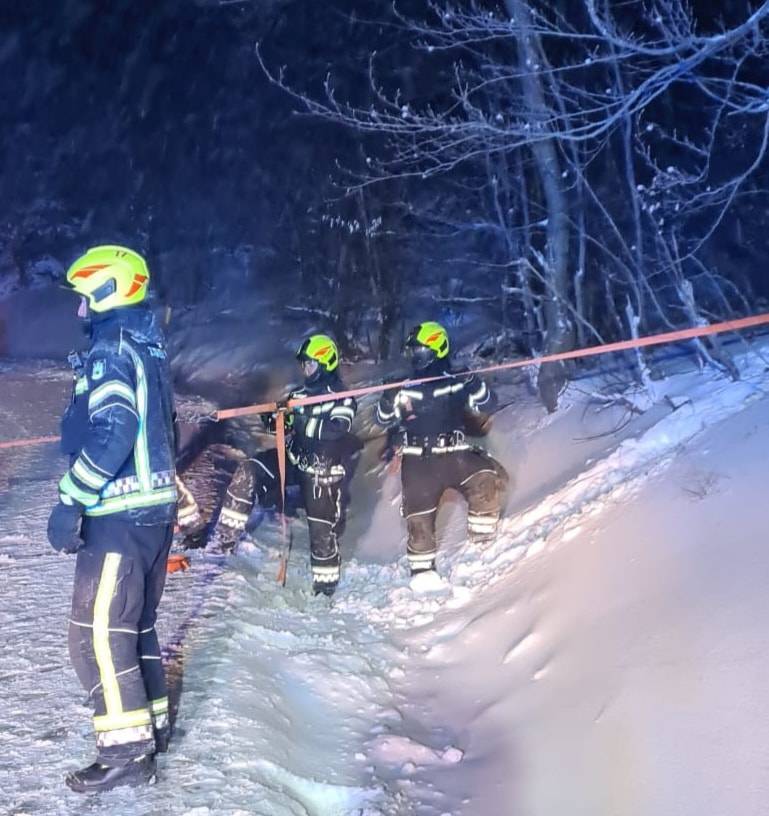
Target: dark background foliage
[(153, 124)]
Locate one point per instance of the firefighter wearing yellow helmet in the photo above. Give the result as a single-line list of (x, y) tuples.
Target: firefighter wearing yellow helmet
[(109, 277), (117, 503), (319, 445), (433, 420)]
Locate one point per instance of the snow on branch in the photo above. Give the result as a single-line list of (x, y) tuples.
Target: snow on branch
[(590, 155)]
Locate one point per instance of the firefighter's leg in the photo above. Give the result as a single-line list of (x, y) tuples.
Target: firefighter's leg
[(323, 505), (157, 543), (256, 479), (187, 510), (423, 487), (107, 605), (483, 483)]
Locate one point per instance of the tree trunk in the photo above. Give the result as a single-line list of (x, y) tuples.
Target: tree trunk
[(559, 330), (533, 317)]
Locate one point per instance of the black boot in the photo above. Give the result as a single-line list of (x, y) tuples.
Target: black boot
[(162, 739), (97, 777), (324, 588)]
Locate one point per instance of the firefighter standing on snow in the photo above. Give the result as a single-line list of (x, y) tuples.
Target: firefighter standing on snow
[(432, 418), (319, 436), (116, 509)]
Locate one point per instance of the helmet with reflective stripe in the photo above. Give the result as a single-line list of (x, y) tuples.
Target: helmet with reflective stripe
[(109, 277), (426, 343), (321, 349)]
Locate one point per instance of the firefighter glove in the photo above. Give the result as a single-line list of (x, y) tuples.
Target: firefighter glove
[(268, 420), (299, 421), (64, 527)]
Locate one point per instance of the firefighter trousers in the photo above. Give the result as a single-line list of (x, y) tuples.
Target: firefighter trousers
[(119, 579), (480, 479), (257, 479)]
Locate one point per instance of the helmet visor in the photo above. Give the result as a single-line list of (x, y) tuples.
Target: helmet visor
[(309, 367), (418, 355)]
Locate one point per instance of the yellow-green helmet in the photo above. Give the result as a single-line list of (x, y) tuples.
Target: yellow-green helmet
[(109, 276), (426, 343), (321, 350)]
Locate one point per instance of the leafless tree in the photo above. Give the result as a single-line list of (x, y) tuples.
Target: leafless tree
[(614, 142)]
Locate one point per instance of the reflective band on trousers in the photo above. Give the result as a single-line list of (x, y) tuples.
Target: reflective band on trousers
[(232, 518), (187, 513), (159, 706), (413, 450), (475, 522), (421, 558), (124, 736), (325, 575), (115, 719), (187, 510), (101, 644)]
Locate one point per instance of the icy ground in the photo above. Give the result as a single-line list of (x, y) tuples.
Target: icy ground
[(607, 655)]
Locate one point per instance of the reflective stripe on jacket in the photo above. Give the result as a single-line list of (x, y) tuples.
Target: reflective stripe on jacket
[(118, 430), (321, 434), (433, 409)]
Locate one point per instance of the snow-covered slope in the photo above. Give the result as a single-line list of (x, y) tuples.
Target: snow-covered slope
[(605, 656), (617, 667)]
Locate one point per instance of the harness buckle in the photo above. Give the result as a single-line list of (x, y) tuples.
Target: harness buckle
[(75, 360)]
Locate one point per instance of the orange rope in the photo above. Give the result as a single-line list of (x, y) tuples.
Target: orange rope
[(280, 410), (280, 443), (230, 413), (24, 443), (606, 348), (590, 351)]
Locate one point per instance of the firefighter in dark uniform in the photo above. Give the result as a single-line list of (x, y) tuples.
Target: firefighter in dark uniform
[(318, 443), (432, 419), (117, 503), (188, 518)]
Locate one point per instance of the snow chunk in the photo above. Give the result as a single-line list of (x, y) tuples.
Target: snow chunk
[(408, 755), (315, 797), (428, 582), (453, 755)]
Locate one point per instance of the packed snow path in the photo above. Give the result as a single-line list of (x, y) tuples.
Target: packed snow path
[(606, 656)]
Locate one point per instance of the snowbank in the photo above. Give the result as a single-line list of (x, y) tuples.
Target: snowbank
[(606, 655)]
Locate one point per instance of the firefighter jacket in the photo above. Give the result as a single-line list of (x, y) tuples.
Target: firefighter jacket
[(434, 415), (320, 435), (119, 427)]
